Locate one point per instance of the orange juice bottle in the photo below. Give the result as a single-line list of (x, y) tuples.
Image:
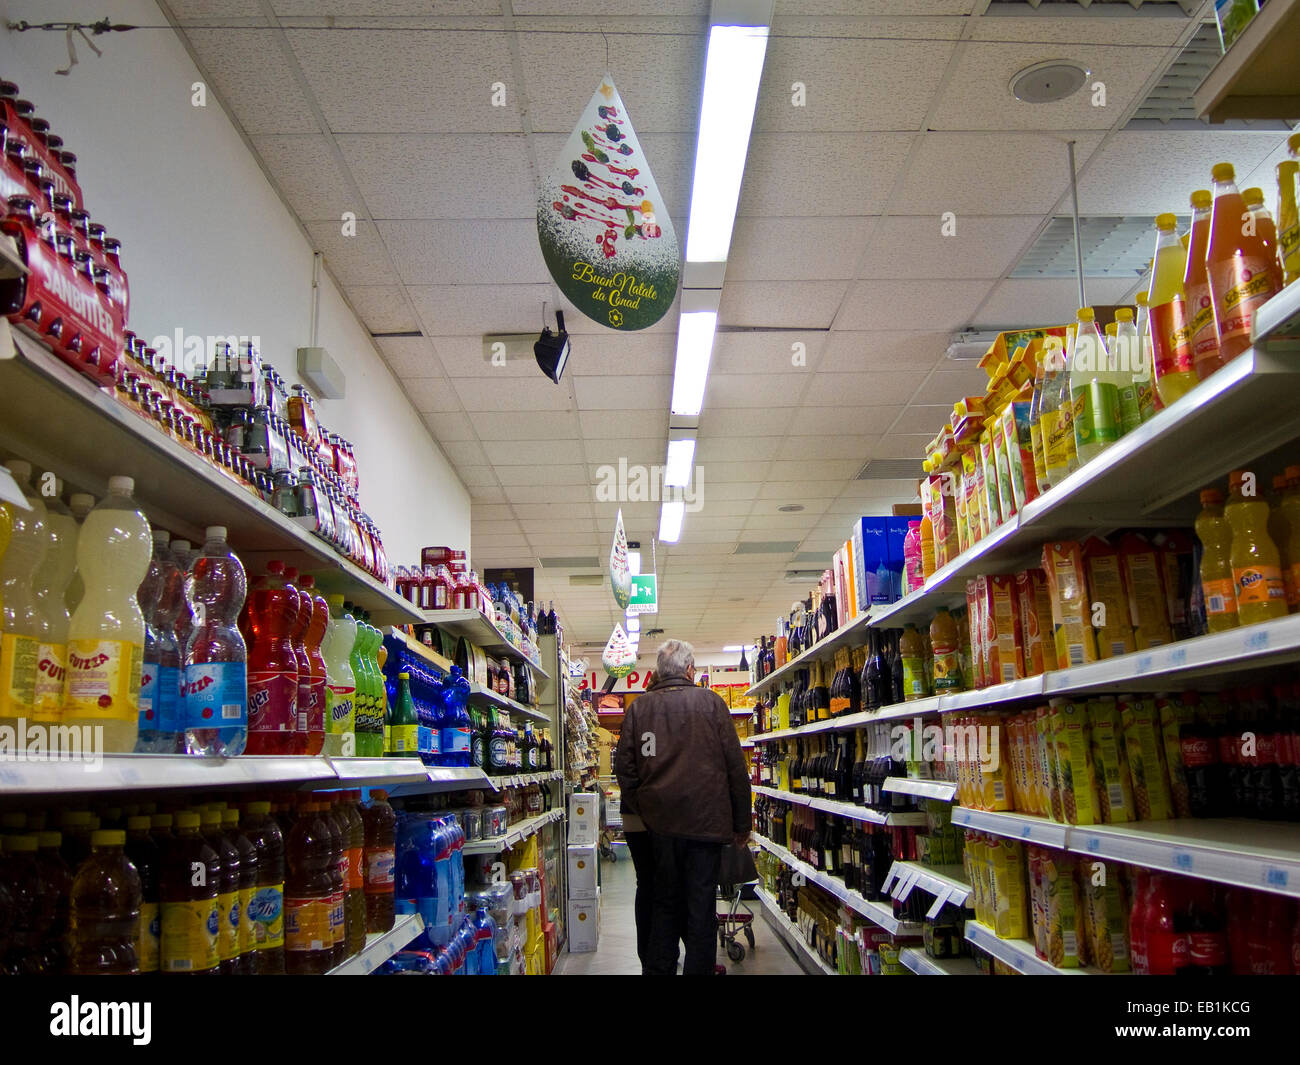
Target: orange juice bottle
[(912, 647), (1217, 589), (1256, 562), (927, 547), (945, 644), (1265, 229), (1196, 289), (1288, 214), (1171, 348), (1291, 549), (1240, 268)]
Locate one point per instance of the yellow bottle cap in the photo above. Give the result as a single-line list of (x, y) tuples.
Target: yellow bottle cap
[(1111, 328), (24, 844), (138, 823), (1124, 314), (259, 807), (210, 818), (108, 837), (1202, 198), (1186, 238), (1166, 221), (1288, 167), (1140, 299), (1086, 314), (1293, 142), (50, 839), (1223, 172), (75, 818), (13, 821), (230, 817), (1253, 196), (161, 820), (187, 819)]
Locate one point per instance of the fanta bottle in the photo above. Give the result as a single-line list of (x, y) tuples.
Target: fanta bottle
[(297, 639), (105, 909), (1241, 270), (319, 619), (106, 634), (80, 504), (308, 894), (340, 723), (267, 907), (169, 729), (380, 823), (273, 665), (189, 880), (216, 660), (25, 626), (1291, 552), (51, 587), (1217, 587), (1256, 562)]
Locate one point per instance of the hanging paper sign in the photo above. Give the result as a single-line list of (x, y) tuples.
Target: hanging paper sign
[(620, 577), (602, 224), (619, 656)]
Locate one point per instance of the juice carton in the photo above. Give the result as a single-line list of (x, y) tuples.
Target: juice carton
[(971, 491), (1109, 599), (1018, 438), (1107, 908), (1074, 763), (1037, 900), (1174, 714), (1143, 739), (996, 772), (975, 621), (1064, 910), (990, 505), (1002, 463), (1144, 576), (1009, 889), (1015, 732), (1049, 764), (1003, 655), (976, 865), (1067, 584), (1114, 784), (1035, 606)]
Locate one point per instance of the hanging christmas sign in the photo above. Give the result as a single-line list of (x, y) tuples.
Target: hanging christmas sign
[(619, 656), (602, 224), (620, 577)]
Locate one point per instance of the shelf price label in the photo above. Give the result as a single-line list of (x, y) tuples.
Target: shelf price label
[(1182, 861), (1275, 877), (1143, 665), (1094, 844), (1257, 640), (1178, 656), (940, 898)]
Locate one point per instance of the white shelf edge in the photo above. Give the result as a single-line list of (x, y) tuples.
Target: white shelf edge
[(789, 932), (515, 834), (927, 789), (842, 809), (1017, 953), (381, 946), (919, 962)]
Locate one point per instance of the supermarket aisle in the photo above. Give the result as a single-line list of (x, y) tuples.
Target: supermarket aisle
[(616, 954)]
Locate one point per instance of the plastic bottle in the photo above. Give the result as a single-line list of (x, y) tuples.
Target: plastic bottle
[(51, 585), (913, 569), (81, 504), (183, 554), (1056, 413), (1166, 940), (312, 637), (1130, 369), (1265, 229), (216, 660), (142, 851), (246, 887), (369, 698), (337, 833), (25, 625), (308, 895), (297, 638), (415, 882), (30, 912), (1288, 218), (340, 723), (1201, 332), (927, 549), (485, 929), (1241, 272), (354, 887), (190, 920), (169, 736), (76, 827), (379, 822), (1256, 562), (455, 727), (1217, 587), (405, 727), (272, 665), (267, 907), (1096, 415), (147, 596), (1144, 376), (946, 646), (106, 634), (57, 878), (227, 889), (1171, 341), (104, 910)]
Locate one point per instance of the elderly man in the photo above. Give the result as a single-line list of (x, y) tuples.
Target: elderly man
[(681, 771)]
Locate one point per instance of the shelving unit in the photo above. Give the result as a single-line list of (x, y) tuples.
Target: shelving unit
[(1017, 953), (1257, 77), (479, 694), (945, 882), (61, 421), (789, 931), (926, 789), (380, 946), (520, 780), (922, 964), (474, 626), (841, 809), (515, 834), (440, 662), (877, 912)]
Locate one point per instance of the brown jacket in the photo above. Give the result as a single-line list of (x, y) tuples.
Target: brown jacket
[(695, 783)]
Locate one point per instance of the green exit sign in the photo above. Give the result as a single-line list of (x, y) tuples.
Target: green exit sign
[(645, 595)]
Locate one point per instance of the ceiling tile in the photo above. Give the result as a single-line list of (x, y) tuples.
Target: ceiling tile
[(781, 305), (741, 422), (728, 472), (507, 527), (249, 71), (383, 308), (796, 249), (528, 452), (868, 389), (1125, 25), (388, 8), (466, 252), (650, 450), (466, 356), (465, 453), (414, 82), (977, 247), (604, 425), (490, 512), (358, 260), (716, 492), (513, 544), (766, 352), (881, 351), (525, 425), (409, 356), (830, 446), (618, 392), (1027, 302), (431, 395), (447, 426), (511, 394), (310, 176), (799, 491), (484, 493), (751, 391), (624, 353), (424, 175), (906, 445), (554, 493), (948, 386), (216, 9), (475, 310), (891, 304), (478, 477), (810, 469), (736, 448), (834, 174), (558, 474), (922, 419)]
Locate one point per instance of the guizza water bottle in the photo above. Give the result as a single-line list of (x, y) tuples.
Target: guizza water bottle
[(455, 724), (163, 655), (215, 687)]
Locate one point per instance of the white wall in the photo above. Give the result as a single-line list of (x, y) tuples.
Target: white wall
[(211, 249)]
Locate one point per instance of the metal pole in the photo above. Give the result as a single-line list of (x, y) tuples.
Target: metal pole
[(1078, 247)]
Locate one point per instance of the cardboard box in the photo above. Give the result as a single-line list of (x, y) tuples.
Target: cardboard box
[(584, 817), (870, 538), (551, 942), (896, 533), (1108, 592), (584, 925), (1067, 585), (583, 865), (1035, 621)]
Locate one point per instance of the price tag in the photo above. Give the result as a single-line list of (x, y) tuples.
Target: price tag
[(961, 816), (1025, 831), (129, 776), (1143, 664), (939, 901), (1094, 844), (1257, 640), (10, 776), (1275, 877), (1183, 861), (1178, 656)]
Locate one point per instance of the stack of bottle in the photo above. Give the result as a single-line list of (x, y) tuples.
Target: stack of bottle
[(288, 886)]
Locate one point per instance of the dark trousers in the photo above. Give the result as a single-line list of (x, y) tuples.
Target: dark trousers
[(640, 847), (685, 893)]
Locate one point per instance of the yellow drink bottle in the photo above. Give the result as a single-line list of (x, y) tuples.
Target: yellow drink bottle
[(1256, 562), (1217, 589)]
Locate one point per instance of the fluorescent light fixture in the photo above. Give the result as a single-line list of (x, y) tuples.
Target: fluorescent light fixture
[(737, 647), (732, 71), (694, 348), (681, 457), (634, 562), (670, 520)]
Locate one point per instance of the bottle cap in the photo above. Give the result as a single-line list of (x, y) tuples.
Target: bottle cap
[(1140, 299), (1287, 167), (161, 820), (403, 676), (121, 486), (1202, 199), (215, 532), (22, 471), (1293, 142), (1112, 328), (230, 817), (81, 499), (187, 819), (335, 601), (1236, 479), (139, 823), (1253, 196), (276, 567), (307, 581), (13, 821), (75, 818), (1223, 172), (50, 839), (108, 837), (1293, 473), (1166, 221), (1125, 314), (210, 817), (259, 807), (24, 844), (379, 794), (1086, 314)]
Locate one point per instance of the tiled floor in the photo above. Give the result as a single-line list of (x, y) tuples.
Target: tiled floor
[(616, 953)]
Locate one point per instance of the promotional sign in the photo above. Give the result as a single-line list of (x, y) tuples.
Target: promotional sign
[(619, 656), (644, 598), (602, 224), (620, 577)]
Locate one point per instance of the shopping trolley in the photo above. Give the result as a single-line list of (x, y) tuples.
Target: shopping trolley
[(735, 887), (611, 820)]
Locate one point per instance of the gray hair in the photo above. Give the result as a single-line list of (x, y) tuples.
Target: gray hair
[(676, 657)]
